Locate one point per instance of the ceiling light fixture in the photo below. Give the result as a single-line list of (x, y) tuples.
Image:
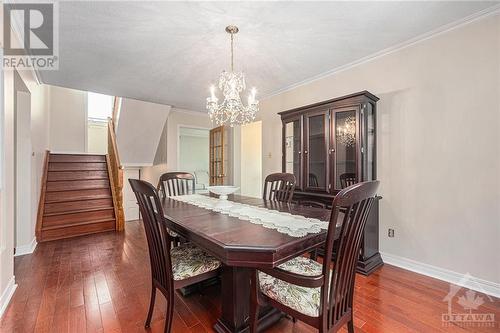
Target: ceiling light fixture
[(232, 111)]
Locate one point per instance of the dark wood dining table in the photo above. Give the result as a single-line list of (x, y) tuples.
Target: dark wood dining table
[(241, 246)]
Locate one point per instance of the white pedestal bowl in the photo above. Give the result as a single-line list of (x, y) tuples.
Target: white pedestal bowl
[(223, 190)]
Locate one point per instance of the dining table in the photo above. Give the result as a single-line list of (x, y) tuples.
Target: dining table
[(242, 247)]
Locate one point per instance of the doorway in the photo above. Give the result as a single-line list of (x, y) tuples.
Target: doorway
[(24, 224), (193, 154), (251, 159)]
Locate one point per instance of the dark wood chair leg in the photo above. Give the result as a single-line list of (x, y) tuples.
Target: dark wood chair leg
[(169, 316), (254, 304), (314, 254), (151, 306), (350, 326)]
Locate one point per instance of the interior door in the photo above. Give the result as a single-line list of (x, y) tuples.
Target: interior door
[(316, 134), (23, 226), (218, 155), (130, 207)]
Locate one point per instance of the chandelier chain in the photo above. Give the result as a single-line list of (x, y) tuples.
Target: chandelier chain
[(232, 52)]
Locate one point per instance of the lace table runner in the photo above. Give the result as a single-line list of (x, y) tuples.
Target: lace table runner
[(293, 225)]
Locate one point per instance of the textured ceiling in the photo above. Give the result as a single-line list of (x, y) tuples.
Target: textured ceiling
[(170, 52)]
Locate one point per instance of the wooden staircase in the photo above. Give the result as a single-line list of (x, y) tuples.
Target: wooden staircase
[(77, 198)]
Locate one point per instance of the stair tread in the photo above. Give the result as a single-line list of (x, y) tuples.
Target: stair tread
[(77, 179), (83, 198), (79, 211), (74, 224)]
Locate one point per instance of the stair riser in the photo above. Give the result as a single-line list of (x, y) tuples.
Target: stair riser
[(77, 158), (77, 185), (77, 205), (76, 175), (60, 220), (77, 166), (51, 197), (77, 230)]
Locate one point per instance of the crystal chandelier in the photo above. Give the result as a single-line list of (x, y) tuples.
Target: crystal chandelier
[(232, 111), (346, 134)]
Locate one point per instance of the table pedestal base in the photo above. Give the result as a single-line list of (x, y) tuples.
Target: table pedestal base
[(235, 292)]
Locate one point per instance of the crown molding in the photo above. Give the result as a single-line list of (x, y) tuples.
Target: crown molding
[(189, 112), (487, 12)]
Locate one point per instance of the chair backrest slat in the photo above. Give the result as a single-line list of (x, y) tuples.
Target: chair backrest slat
[(279, 187), (172, 184), (347, 179), (158, 238), (352, 205)]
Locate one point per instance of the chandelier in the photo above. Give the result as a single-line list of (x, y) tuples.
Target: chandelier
[(232, 111), (346, 134)]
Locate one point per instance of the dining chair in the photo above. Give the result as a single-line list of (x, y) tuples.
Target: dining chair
[(171, 268), (313, 180), (310, 291), (176, 183), (279, 187), (347, 179)]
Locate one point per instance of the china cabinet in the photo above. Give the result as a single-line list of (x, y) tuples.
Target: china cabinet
[(328, 146)]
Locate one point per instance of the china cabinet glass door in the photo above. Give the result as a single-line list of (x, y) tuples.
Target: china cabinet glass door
[(316, 151), (345, 142), (293, 149)]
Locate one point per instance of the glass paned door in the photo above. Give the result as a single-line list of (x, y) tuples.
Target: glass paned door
[(345, 143), (370, 144), (316, 151), (292, 149), (217, 147)]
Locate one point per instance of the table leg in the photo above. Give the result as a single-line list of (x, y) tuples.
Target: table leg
[(235, 297)]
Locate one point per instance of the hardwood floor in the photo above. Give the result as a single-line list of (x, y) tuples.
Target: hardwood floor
[(100, 283)]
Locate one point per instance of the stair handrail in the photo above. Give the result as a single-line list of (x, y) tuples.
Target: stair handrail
[(41, 203), (115, 170)]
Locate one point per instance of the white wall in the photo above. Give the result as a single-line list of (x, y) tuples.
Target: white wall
[(97, 137), (138, 131), (68, 120), (193, 150), (166, 153), (251, 160), (40, 142), (438, 145)]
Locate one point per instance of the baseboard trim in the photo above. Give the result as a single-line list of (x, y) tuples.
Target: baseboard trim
[(26, 249), (463, 280), (7, 295)]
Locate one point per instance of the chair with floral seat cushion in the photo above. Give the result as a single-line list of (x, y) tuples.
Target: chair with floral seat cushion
[(314, 293), (171, 268)]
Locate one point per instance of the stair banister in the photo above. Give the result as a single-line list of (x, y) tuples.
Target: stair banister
[(115, 169)]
